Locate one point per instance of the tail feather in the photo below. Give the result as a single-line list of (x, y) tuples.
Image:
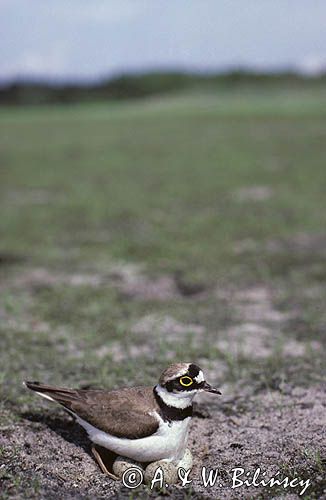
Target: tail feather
[(59, 394)]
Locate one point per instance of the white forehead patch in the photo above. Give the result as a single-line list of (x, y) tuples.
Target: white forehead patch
[(181, 372), (200, 377)]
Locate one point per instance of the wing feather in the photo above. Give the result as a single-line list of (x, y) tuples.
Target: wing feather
[(124, 413)]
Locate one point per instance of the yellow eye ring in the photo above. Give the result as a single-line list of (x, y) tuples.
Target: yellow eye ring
[(186, 381)]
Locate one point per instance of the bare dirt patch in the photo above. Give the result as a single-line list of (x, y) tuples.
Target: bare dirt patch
[(275, 432), (152, 328), (120, 352), (259, 326), (45, 455), (129, 278), (253, 193), (165, 325), (34, 197), (54, 453), (133, 282), (41, 277), (300, 248), (310, 244), (286, 435)]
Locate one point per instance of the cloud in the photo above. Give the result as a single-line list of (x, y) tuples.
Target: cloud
[(38, 63), (92, 38), (312, 65)]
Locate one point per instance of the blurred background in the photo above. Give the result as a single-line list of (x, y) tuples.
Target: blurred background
[(68, 52), (163, 199)]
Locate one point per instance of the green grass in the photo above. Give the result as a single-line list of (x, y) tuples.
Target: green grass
[(157, 183), (162, 184)]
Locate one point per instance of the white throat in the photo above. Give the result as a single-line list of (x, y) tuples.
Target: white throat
[(177, 400)]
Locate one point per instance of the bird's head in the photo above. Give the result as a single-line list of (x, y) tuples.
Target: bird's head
[(180, 382)]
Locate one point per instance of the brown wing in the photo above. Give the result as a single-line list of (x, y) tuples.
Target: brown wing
[(121, 413)]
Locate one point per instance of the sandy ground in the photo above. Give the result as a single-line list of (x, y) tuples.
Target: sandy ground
[(274, 431), (279, 430)]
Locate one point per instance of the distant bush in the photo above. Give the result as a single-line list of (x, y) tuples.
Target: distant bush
[(137, 86)]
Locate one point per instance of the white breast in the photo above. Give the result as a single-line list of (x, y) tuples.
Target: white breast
[(168, 442)]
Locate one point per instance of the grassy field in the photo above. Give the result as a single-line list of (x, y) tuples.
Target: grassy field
[(137, 234)]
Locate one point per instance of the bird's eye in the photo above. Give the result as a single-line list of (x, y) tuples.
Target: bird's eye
[(186, 381)]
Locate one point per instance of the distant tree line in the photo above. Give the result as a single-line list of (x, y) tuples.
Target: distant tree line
[(142, 85)]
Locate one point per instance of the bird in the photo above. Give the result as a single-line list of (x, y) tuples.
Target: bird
[(144, 424)]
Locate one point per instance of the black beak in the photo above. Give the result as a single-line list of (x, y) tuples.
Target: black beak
[(209, 388)]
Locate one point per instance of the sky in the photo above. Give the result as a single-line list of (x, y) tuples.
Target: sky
[(92, 39)]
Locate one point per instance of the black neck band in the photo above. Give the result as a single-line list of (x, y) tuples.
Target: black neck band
[(170, 413)]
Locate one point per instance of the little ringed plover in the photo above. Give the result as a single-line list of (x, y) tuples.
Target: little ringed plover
[(145, 424)]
